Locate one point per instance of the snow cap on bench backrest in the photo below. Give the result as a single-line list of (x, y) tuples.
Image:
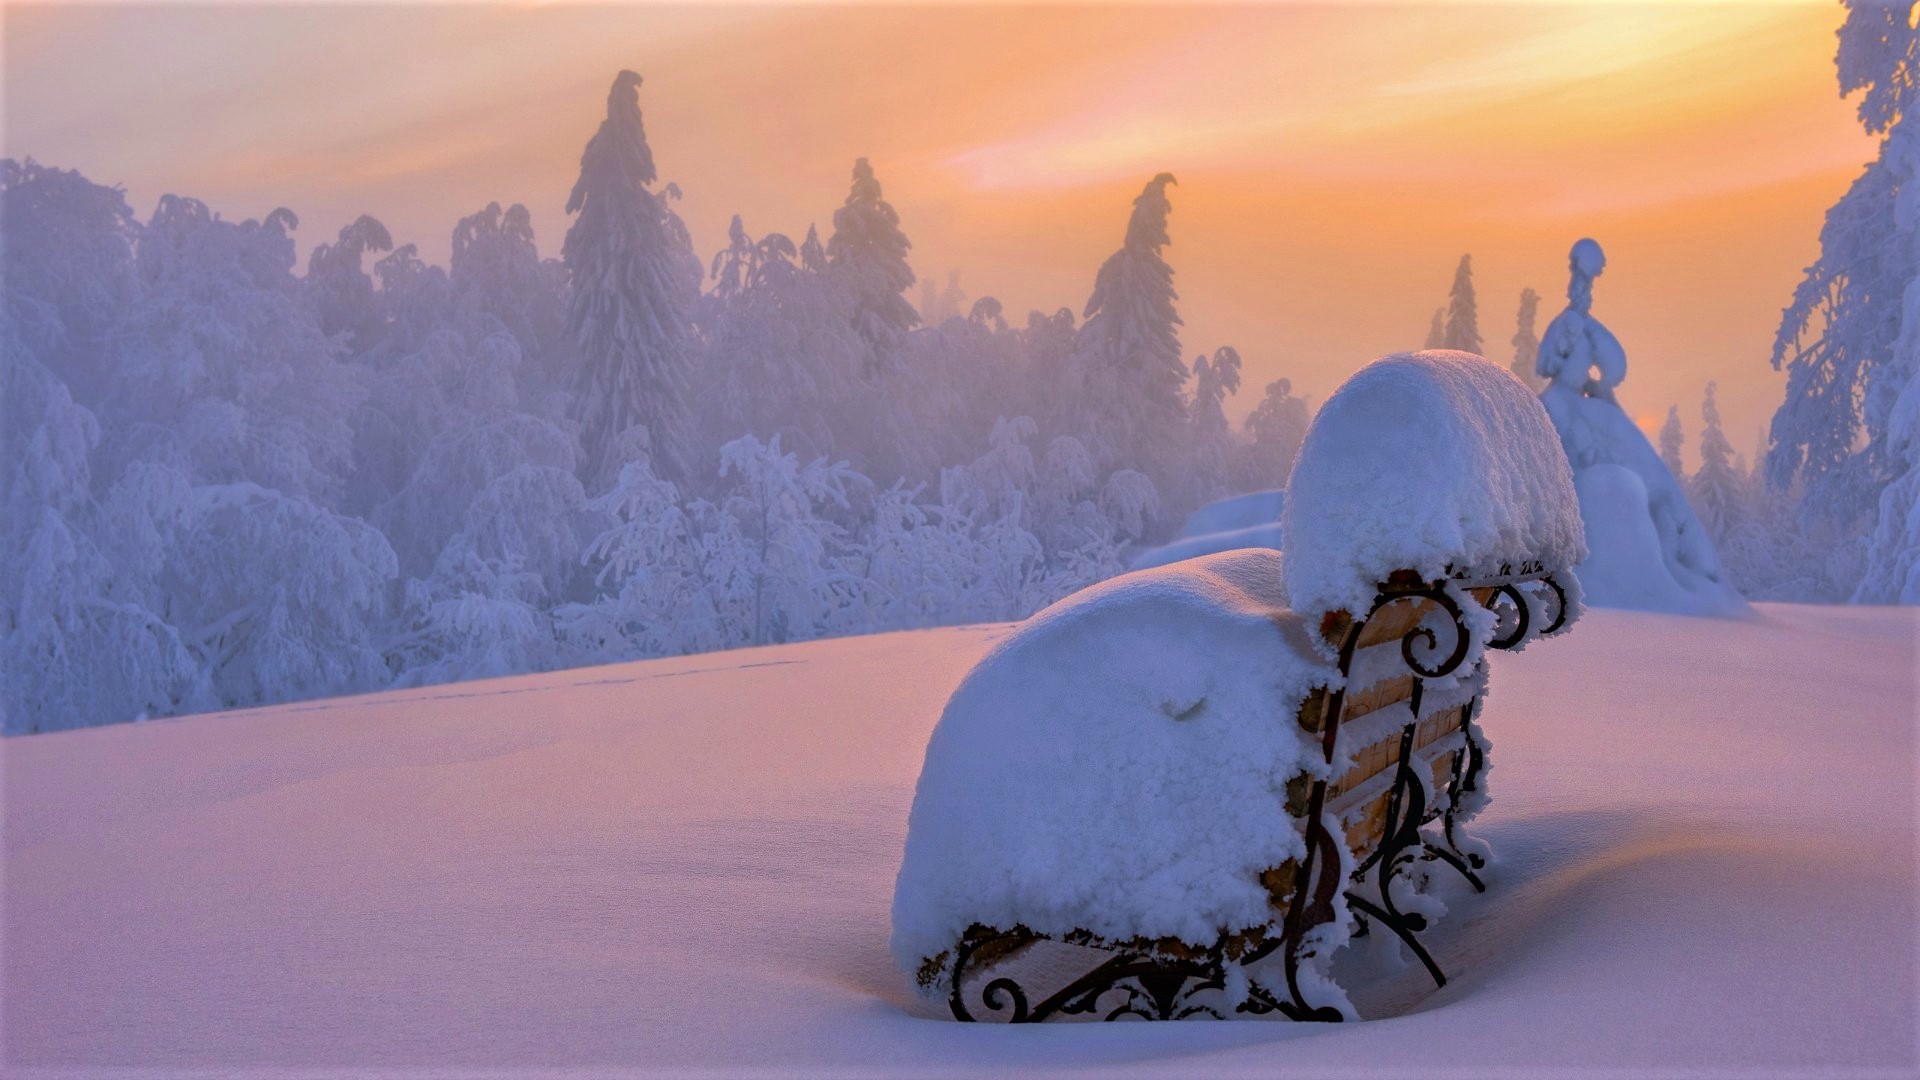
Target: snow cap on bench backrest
[(1431, 461)]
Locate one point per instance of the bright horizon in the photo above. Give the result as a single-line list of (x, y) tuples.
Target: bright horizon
[(1333, 161)]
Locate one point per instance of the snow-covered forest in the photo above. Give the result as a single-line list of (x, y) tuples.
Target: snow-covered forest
[(231, 482), (229, 479)]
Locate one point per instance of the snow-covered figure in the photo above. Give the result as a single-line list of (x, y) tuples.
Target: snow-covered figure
[(1115, 818), (1646, 547)]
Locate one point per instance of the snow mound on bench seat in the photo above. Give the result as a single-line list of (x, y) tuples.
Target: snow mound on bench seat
[(1116, 765), (1426, 461)]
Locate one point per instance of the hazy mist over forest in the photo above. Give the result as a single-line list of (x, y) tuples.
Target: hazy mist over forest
[(1335, 160)]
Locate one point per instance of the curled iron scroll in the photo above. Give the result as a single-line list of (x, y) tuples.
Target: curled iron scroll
[(1462, 640)]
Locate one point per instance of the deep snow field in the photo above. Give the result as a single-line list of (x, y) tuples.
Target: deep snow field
[(1704, 833)]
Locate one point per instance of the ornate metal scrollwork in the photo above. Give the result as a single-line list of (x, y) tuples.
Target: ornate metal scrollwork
[(1403, 845), (1144, 984), (1512, 592), (1152, 988), (1462, 641)]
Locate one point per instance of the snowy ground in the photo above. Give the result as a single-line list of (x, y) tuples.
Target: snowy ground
[(1706, 834)]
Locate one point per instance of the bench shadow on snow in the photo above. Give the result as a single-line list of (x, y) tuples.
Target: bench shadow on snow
[(1541, 863)]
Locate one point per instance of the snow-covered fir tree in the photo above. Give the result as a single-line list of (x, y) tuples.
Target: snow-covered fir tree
[(1462, 330), (1209, 476), (1128, 380), (1436, 330), (1717, 490), (867, 257), (634, 281), (1526, 341), (1673, 441)]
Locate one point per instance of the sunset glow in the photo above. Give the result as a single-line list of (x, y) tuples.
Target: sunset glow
[(1333, 160)]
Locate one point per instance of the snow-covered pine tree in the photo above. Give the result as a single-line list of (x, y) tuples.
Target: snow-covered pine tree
[(1526, 342), (867, 256), (813, 254), (1437, 330), (1673, 441), (1718, 490), (1879, 50), (1128, 378), (1838, 337), (1213, 382), (1463, 314), (635, 279)]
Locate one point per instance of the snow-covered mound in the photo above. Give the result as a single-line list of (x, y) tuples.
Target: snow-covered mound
[(1111, 766), (1243, 521), (1235, 513), (1264, 535), (1628, 496), (1429, 461), (1704, 834)]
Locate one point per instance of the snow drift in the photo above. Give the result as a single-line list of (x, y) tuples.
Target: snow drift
[(1704, 835), (1251, 520)]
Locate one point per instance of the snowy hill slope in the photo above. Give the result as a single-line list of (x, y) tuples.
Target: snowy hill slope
[(1704, 833)]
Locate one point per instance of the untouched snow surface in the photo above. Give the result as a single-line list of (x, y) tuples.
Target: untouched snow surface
[(1193, 547), (1704, 834)]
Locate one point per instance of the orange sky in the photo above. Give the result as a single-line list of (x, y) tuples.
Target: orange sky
[(1334, 161)]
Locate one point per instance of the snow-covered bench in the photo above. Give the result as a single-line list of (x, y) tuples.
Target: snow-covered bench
[(1177, 793)]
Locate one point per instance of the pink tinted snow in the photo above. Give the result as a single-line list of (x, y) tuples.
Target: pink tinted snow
[(1704, 835)]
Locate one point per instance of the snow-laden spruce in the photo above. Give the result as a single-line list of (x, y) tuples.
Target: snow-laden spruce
[(1111, 766), (1434, 462)]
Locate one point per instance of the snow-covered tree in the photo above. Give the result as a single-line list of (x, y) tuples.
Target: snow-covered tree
[(496, 273), (1462, 329), (1878, 53), (1838, 337), (1718, 490), (1129, 380), (221, 368), (341, 289), (1526, 342), (634, 280), (777, 561), (649, 563), (937, 304), (867, 256), (1213, 381), (813, 254), (1673, 441), (1437, 330), (779, 354), (1278, 425)]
